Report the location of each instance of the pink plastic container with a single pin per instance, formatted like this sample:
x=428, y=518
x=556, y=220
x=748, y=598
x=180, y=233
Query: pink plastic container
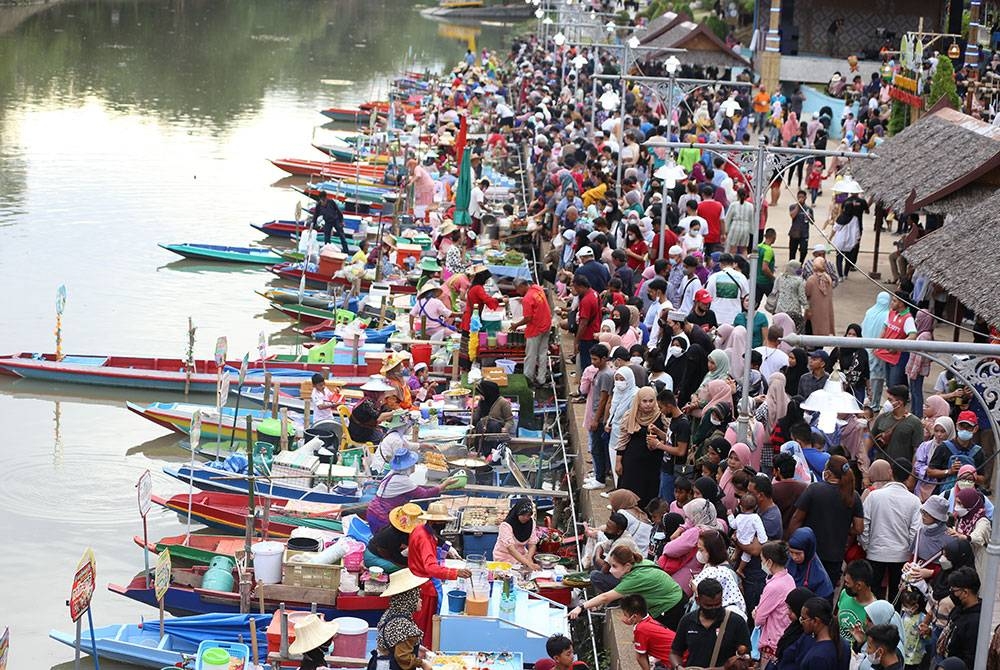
x=483, y=338
x=351, y=640
x=501, y=339
x=354, y=561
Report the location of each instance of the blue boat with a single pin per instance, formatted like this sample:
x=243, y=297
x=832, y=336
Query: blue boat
x=215, y=252
x=140, y=644
x=211, y=479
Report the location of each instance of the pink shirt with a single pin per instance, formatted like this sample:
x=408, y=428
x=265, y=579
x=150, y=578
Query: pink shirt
x=506, y=539
x=772, y=613
x=679, y=548
x=586, y=381
x=434, y=310
x=630, y=337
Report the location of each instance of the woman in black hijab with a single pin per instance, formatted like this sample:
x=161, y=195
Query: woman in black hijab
x=853, y=364
x=794, y=372
x=516, y=542
x=675, y=365
x=493, y=417
x=696, y=367
x=794, y=643
x=707, y=488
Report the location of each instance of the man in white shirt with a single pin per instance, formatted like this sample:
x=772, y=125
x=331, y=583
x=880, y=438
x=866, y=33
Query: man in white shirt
x=727, y=288
x=476, y=200
x=691, y=215
x=774, y=359
x=656, y=289
x=689, y=285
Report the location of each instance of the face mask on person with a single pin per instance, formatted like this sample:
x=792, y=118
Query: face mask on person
x=960, y=511
x=887, y=407
x=620, y=384
x=694, y=232
x=635, y=360
x=944, y=563
x=674, y=351
x=673, y=261
x=766, y=566
x=964, y=435
x=702, y=557
x=713, y=613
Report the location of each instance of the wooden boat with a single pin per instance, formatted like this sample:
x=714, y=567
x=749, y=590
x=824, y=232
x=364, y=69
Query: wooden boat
x=140, y=644
x=164, y=374
x=213, y=252
x=371, y=194
x=291, y=229
x=187, y=596
x=309, y=297
x=176, y=416
x=307, y=168
x=195, y=549
x=304, y=313
x=228, y=512
x=211, y=479
x=293, y=272
x=476, y=9
x=348, y=115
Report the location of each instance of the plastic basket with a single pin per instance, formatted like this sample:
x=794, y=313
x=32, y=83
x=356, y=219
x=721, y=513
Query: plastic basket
x=312, y=575
x=235, y=649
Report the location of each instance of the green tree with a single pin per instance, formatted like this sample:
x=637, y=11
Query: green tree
x=943, y=84
x=899, y=118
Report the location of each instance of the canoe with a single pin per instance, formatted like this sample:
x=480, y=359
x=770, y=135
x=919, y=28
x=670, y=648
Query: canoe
x=477, y=11
x=187, y=596
x=309, y=297
x=176, y=416
x=303, y=313
x=347, y=115
x=307, y=168
x=290, y=229
x=361, y=192
x=141, y=645
x=211, y=479
x=228, y=512
x=163, y=374
x=293, y=272
x=195, y=549
x=213, y=252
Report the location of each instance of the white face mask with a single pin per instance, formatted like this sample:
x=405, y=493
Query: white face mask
x=674, y=351
x=620, y=384
x=887, y=407
x=766, y=566
x=702, y=557
x=964, y=484
x=944, y=563
x=960, y=511
x=635, y=360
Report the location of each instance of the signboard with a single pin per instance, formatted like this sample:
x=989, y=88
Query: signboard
x=145, y=487
x=904, y=82
x=221, y=347
x=243, y=369
x=60, y=299
x=904, y=97
x=262, y=345
x=162, y=580
x=195, y=429
x=224, y=384
x=84, y=582
x=4, y=648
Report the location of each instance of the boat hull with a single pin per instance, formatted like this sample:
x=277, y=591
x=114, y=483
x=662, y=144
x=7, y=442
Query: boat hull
x=244, y=255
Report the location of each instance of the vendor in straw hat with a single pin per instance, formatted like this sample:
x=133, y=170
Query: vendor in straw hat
x=429, y=314
x=398, y=634
x=429, y=269
x=312, y=638
x=423, y=561
x=385, y=549
x=392, y=369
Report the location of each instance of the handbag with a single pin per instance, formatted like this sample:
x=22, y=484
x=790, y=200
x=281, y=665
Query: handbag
x=718, y=645
x=755, y=642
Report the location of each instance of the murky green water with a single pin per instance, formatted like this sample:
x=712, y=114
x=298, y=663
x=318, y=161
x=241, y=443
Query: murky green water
x=123, y=125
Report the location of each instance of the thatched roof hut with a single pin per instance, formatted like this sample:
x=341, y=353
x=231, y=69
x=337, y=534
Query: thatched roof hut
x=703, y=47
x=963, y=257
x=936, y=156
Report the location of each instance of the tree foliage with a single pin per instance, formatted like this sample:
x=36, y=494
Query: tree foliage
x=943, y=84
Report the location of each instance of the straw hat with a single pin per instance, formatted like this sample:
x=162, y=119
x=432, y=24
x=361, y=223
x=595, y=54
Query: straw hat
x=376, y=383
x=312, y=632
x=392, y=361
x=401, y=582
x=447, y=228
x=476, y=269
x=406, y=517
x=437, y=511
x=429, y=286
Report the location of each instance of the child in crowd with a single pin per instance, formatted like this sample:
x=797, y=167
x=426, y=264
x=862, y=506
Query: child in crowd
x=613, y=296
x=912, y=604
x=560, y=655
x=683, y=494
x=651, y=639
x=814, y=181
x=747, y=525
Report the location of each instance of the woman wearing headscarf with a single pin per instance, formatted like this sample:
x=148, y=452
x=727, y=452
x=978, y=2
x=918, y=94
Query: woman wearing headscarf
x=398, y=488
x=679, y=558
x=917, y=366
x=717, y=370
x=739, y=458
x=935, y=406
x=771, y=613
x=516, y=539
x=933, y=535
x=714, y=557
x=773, y=405
x=633, y=334
x=878, y=613
x=972, y=524
x=879, y=474
x=640, y=529
x=637, y=465
x=794, y=643
x=621, y=402
x=716, y=414
x=942, y=430
x=804, y=565
x=736, y=348
x=874, y=322
x=708, y=488
x=790, y=129
x=675, y=365
x=695, y=368
x=787, y=325
x=790, y=294
x=397, y=634
x=819, y=291
x=798, y=365
x=853, y=363
x=493, y=415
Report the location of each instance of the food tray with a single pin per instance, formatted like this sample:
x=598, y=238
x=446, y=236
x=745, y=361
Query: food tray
x=482, y=519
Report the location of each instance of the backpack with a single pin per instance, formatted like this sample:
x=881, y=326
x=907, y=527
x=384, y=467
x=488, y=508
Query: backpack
x=959, y=456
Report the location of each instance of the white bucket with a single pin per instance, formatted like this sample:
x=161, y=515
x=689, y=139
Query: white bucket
x=267, y=561
x=377, y=292
x=516, y=309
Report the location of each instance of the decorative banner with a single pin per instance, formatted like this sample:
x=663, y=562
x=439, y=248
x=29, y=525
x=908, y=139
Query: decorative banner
x=243, y=369
x=223, y=396
x=221, y=347
x=145, y=487
x=60, y=299
x=162, y=580
x=905, y=83
x=4, y=648
x=907, y=98
x=195, y=430
x=84, y=582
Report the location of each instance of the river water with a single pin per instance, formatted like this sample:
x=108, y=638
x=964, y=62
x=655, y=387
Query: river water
x=124, y=125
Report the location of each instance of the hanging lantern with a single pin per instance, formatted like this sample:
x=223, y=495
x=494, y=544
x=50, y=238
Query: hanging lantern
x=954, y=51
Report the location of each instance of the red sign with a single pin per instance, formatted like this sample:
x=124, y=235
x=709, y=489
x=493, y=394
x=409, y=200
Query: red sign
x=905, y=97
x=84, y=582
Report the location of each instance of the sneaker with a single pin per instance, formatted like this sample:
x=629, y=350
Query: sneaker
x=593, y=485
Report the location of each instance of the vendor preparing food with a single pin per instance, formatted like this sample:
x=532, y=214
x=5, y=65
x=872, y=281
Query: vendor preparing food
x=516, y=538
x=398, y=488
x=423, y=561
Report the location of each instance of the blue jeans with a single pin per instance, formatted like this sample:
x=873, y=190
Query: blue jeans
x=599, y=453
x=897, y=372
x=666, y=486
x=917, y=396
x=583, y=358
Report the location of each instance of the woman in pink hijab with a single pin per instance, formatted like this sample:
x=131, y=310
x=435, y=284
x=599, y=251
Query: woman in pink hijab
x=787, y=327
x=934, y=407
x=736, y=348
x=739, y=458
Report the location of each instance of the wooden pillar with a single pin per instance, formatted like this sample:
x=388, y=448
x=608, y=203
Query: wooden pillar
x=770, y=57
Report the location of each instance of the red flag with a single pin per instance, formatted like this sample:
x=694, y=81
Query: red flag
x=463, y=131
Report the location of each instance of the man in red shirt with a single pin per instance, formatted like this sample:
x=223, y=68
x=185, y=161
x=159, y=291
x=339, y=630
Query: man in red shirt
x=670, y=239
x=711, y=210
x=537, y=323
x=652, y=640
x=588, y=319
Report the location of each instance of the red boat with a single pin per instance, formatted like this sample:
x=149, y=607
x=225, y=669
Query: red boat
x=308, y=168
x=228, y=511
x=293, y=271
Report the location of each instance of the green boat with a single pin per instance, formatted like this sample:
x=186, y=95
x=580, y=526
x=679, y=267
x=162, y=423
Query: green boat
x=307, y=314
x=213, y=252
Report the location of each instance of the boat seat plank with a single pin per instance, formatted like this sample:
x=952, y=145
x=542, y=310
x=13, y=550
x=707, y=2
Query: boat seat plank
x=95, y=361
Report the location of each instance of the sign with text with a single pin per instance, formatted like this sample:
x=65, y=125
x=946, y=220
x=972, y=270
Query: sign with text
x=223, y=396
x=161, y=582
x=84, y=582
x=221, y=347
x=145, y=488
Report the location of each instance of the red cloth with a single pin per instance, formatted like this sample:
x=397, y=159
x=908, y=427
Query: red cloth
x=711, y=211
x=422, y=562
x=536, y=310
x=670, y=239
x=589, y=310
x=895, y=329
x=639, y=248
x=653, y=638
x=476, y=298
